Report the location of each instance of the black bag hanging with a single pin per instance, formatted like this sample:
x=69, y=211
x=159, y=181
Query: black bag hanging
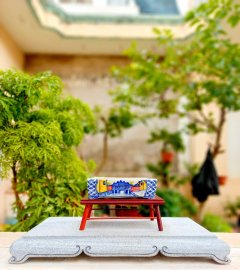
x=205, y=183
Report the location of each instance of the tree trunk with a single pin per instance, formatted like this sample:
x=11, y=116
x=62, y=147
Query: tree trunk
x=19, y=202
x=217, y=145
x=199, y=215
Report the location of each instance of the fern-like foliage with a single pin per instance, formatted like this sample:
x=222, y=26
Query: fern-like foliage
x=38, y=132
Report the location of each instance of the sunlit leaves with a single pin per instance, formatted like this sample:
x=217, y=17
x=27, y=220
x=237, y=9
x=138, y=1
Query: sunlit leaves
x=38, y=130
x=115, y=120
x=172, y=140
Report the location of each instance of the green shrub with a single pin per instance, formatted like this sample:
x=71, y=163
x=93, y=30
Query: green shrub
x=176, y=205
x=215, y=223
x=39, y=129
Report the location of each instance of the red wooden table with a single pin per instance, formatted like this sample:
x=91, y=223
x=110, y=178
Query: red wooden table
x=152, y=203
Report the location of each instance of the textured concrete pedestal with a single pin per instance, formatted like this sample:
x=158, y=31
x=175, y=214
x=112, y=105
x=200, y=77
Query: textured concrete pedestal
x=60, y=237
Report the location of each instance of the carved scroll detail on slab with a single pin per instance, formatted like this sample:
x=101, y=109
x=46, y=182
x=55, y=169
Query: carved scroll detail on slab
x=150, y=252
x=222, y=259
x=21, y=259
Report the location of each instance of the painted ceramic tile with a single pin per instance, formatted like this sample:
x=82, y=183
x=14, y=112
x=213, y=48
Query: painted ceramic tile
x=109, y=187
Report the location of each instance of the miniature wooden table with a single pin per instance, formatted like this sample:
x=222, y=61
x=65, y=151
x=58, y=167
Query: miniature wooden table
x=152, y=203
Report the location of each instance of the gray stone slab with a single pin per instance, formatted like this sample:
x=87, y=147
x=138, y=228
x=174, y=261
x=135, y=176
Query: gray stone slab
x=61, y=237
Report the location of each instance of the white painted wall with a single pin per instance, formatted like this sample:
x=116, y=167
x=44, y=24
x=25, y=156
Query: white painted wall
x=100, y=7
x=233, y=144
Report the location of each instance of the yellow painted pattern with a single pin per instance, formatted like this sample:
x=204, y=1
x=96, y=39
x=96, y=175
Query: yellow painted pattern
x=102, y=186
x=143, y=185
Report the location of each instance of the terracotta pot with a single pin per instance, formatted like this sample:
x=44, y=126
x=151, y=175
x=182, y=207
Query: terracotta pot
x=222, y=179
x=167, y=157
x=127, y=212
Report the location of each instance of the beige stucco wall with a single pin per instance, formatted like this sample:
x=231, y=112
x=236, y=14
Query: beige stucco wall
x=87, y=78
x=11, y=56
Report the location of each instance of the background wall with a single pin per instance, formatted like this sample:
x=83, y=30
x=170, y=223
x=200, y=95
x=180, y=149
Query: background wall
x=87, y=77
x=233, y=147
x=10, y=54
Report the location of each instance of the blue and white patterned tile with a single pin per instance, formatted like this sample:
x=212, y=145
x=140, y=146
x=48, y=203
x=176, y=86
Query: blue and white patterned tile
x=109, y=187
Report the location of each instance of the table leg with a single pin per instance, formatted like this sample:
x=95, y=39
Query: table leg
x=86, y=213
x=90, y=210
x=151, y=212
x=159, y=220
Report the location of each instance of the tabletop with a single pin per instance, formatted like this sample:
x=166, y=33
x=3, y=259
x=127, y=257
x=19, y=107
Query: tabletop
x=126, y=201
x=85, y=262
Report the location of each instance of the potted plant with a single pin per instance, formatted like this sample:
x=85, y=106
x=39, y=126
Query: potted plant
x=127, y=211
x=222, y=179
x=172, y=143
x=167, y=155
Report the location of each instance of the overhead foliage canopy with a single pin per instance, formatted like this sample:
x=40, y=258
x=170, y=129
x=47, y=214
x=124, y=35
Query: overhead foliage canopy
x=192, y=74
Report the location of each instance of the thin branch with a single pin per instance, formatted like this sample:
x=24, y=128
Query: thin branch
x=196, y=119
x=204, y=121
x=217, y=145
x=105, y=148
x=207, y=121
